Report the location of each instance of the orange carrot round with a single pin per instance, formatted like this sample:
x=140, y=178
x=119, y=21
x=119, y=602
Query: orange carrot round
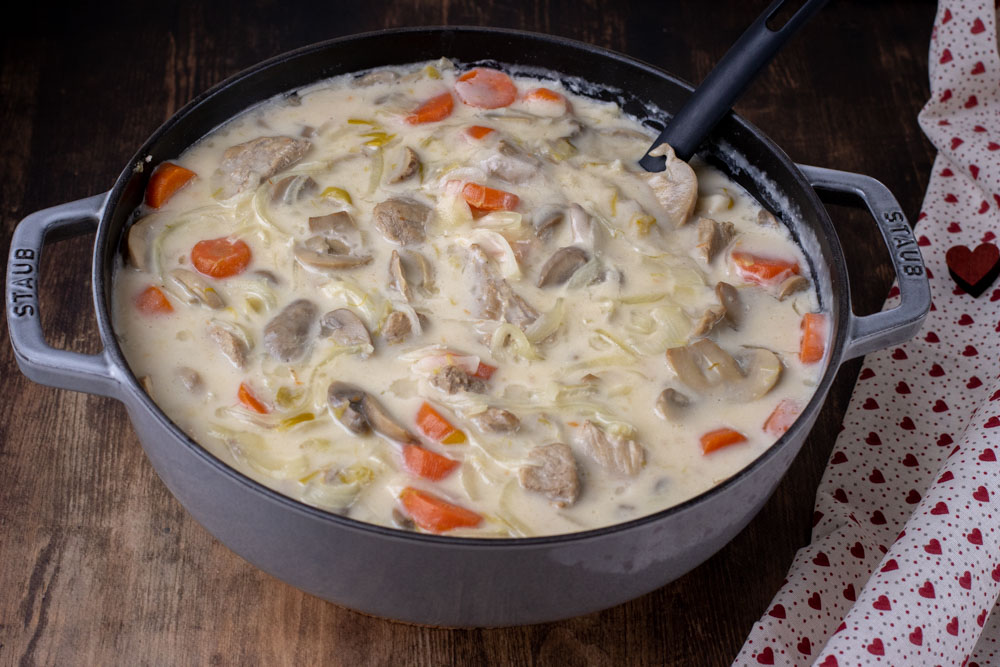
x=436, y=427
x=720, y=438
x=813, y=338
x=544, y=94
x=764, y=271
x=152, y=301
x=486, y=88
x=435, y=514
x=167, y=179
x=489, y=199
x=249, y=401
x=478, y=131
x=484, y=371
x=427, y=464
x=435, y=109
x=782, y=418
x=220, y=258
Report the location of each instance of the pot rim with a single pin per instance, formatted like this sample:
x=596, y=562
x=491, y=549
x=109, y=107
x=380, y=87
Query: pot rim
x=839, y=306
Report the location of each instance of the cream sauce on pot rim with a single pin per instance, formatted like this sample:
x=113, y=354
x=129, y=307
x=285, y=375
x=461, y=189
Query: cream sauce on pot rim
x=452, y=302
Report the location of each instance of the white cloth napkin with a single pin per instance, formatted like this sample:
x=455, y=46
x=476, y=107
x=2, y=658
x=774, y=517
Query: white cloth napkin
x=904, y=564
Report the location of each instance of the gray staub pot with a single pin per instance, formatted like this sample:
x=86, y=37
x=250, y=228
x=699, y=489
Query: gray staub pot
x=440, y=580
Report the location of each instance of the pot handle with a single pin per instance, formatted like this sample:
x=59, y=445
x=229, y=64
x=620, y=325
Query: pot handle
x=89, y=373
x=896, y=325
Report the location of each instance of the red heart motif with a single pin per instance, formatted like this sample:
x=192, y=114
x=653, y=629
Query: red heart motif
x=973, y=382
x=840, y=496
x=951, y=198
x=943, y=441
x=816, y=517
x=974, y=170
x=821, y=560
x=988, y=455
x=869, y=373
x=936, y=371
x=932, y=337
x=872, y=439
x=981, y=494
x=849, y=593
x=838, y=458
x=954, y=451
x=946, y=16
x=840, y=628
x=922, y=241
x=946, y=172
x=975, y=537
x=981, y=619
x=815, y=601
x=993, y=146
x=894, y=290
x=985, y=206
x=996, y=573
x=900, y=536
x=974, y=270
x=878, y=518
x=954, y=227
x=927, y=590
x=965, y=581
x=876, y=477
x=917, y=636
x=899, y=354
x=913, y=497
x=902, y=388
x=857, y=550
x=804, y=647
x=910, y=461
x=989, y=236
x=891, y=565
x=876, y=648
x=993, y=421
x=829, y=662
x=933, y=547
x=907, y=424
x=945, y=57
x=969, y=351
x=940, y=406
x=978, y=68
x=870, y=404
x=778, y=611
x=947, y=476
x=965, y=320
x=952, y=626
x=977, y=27
x=971, y=102
x=882, y=603
x=995, y=396
x=940, y=508
x=766, y=657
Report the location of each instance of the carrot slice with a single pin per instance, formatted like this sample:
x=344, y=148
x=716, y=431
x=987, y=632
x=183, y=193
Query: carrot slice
x=486, y=88
x=763, y=271
x=484, y=371
x=427, y=464
x=220, y=258
x=782, y=418
x=478, y=131
x=436, y=514
x=544, y=94
x=250, y=401
x=437, y=428
x=167, y=179
x=813, y=338
x=489, y=199
x=152, y=301
x=435, y=109
x=720, y=438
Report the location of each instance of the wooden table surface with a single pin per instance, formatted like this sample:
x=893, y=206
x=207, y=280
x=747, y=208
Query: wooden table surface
x=100, y=565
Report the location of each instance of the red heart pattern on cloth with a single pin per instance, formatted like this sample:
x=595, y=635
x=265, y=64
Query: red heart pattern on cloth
x=904, y=563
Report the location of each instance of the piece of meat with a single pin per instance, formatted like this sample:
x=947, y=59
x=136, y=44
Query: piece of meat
x=497, y=420
x=616, y=455
x=245, y=165
x=553, y=473
x=396, y=328
x=286, y=336
x=676, y=187
x=232, y=347
x=511, y=164
x=409, y=166
x=561, y=266
x=401, y=220
x=713, y=236
x=452, y=379
x=494, y=295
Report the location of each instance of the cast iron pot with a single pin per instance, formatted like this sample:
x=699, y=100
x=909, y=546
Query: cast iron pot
x=441, y=580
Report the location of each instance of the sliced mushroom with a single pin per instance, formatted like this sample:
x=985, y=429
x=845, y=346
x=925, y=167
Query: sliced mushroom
x=401, y=220
x=497, y=420
x=670, y=404
x=291, y=189
x=494, y=295
x=617, y=455
x=553, y=473
x=426, y=271
x=397, y=276
x=396, y=328
x=345, y=328
x=325, y=246
x=372, y=78
x=139, y=242
x=245, y=165
x=409, y=166
x=676, y=187
x=345, y=404
x=511, y=164
x=766, y=219
x=792, y=285
x=452, y=379
x=713, y=236
x=196, y=289
x=329, y=260
x=712, y=316
x=383, y=423
x=235, y=347
x=546, y=218
x=286, y=336
x=707, y=368
x=563, y=264
x=339, y=224
x=729, y=297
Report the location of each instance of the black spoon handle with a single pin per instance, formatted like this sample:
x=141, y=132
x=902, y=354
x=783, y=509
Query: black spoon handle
x=727, y=81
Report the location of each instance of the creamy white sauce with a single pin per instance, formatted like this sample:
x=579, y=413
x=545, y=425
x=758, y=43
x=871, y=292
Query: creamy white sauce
x=662, y=291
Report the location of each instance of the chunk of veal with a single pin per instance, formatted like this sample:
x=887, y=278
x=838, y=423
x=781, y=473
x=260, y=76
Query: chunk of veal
x=617, y=455
x=553, y=473
x=286, y=336
x=401, y=220
x=245, y=165
x=676, y=187
x=494, y=295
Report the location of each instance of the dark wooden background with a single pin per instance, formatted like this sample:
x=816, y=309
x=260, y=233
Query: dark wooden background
x=100, y=565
